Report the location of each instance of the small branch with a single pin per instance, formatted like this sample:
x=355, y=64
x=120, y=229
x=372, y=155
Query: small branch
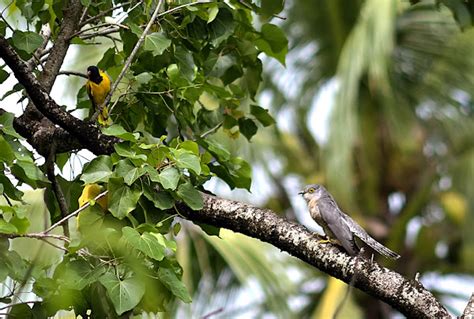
x=129, y=61
x=181, y=7
x=74, y=213
x=99, y=34
x=212, y=130
x=104, y=13
x=73, y=73
x=36, y=236
x=63, y=207
x=99, y=26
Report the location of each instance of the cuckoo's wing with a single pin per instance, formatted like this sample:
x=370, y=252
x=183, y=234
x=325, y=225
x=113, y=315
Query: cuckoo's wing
x=332, y=215
x=362, y=234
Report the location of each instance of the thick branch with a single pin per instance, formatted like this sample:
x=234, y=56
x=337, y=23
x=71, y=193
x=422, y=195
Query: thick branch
x=69, y=24
x=88, y=134
x=407, y=296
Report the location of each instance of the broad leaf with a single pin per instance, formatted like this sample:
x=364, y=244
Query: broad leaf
x=125, y=294
x=122, y=198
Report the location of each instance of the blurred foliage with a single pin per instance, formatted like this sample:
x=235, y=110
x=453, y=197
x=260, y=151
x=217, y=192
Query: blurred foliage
x=398, y=157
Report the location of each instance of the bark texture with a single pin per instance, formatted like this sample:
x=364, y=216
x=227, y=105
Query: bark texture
x=407, y=296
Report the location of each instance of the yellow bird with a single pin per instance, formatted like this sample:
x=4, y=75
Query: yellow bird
x=89, y=192
x=98, y=86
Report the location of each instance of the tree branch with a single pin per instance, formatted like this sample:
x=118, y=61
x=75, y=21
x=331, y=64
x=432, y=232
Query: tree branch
x=407, y=296
x=88, y=134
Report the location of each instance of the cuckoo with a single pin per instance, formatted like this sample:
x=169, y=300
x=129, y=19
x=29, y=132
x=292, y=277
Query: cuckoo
x=336, y=224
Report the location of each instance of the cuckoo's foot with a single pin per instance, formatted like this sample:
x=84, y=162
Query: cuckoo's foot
x=326, y=241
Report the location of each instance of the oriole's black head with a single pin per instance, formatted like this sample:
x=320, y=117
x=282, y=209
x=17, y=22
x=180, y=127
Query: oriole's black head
x=93, y=74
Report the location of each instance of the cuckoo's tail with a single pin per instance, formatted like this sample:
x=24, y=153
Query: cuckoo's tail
x=378, y=247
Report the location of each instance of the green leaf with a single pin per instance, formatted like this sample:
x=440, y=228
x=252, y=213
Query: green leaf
x=152, y=173
x=247, y=127
x=8, y=188
x=6, y=153
x=6, y=124
x=169, y=178
x=122, y=198
x=147, y=243
x=124, y=150
x=119, y=131
x=160, y=200
x=27, y=41
x=271, y=7
x=170, y=280
x=125, y=294
x=21, y=224
x=3, y=75
x=30, y=170
x=273, y=42
x=157, y=43
x=187, y=159
x=77, y=274
x=190, y=196
x=209, y=101
x=213, y=11
x=134, y=174
x=98, y=170
x=190, y=146
x=262, y=115
x=7, y=228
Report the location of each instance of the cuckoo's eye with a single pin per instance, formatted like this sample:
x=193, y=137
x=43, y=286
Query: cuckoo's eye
x=311, y=190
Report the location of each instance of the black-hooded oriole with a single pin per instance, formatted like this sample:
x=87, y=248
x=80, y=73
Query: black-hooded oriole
x=98, y=86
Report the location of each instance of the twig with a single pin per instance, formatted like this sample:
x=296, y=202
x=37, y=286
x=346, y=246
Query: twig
x=36, y=235
x=107, y=24
x=99, y=34
x=72, y=73
x=83, y=15
x=104, y=13
x=212, y=130
x=7, y=199
x=181, y=7
x=74, y=213
x=55, y=185
x=5, y=20
x=212, y=313
x=129, y=61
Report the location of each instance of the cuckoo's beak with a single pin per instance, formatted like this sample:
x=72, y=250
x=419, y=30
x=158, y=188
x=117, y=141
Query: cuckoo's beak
x=301, y=193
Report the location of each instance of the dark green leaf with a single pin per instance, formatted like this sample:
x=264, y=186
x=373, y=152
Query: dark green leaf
x=3, y=75
x=119, y=131
x=160, y=199
x=157, y=43
x=169, y=178
x=122, y=198
x=190, y=196
x=262, y=115
x=98, y=170
x=187, y=159
x=147, y=243
x=247, y=127
x=26, y=41
x=273, y=42
x=125, y=294
x=170, y=280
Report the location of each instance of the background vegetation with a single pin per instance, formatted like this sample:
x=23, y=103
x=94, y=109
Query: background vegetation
x=371, y=98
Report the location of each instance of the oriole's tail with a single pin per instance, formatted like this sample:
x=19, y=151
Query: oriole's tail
x=104, y=118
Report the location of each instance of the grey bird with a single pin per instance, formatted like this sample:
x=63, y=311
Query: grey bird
x=337, y=225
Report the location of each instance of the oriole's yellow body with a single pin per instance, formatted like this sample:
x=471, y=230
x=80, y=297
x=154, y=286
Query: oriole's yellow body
x=98, y=88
